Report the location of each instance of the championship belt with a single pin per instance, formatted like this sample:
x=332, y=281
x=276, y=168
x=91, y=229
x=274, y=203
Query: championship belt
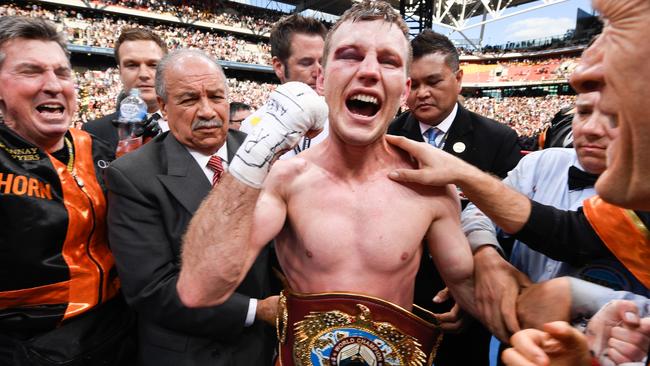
x=338, y=329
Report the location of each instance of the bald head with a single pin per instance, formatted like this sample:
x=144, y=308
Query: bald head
x=176, y=59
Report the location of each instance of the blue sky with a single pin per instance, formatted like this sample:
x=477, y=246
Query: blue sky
x=549, y=21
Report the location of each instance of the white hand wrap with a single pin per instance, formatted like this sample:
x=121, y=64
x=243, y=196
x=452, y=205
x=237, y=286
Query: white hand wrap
x=292, y=110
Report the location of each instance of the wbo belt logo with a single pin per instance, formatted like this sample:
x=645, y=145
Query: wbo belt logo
x=335, y=338
x=358, y=350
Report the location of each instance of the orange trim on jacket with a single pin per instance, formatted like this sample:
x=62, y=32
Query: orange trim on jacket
x=86, y=244
x=77, y=253
x=56, y=293
x=624, y=235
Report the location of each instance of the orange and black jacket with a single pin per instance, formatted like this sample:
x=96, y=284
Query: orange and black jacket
x=55, y=263
x=594, y=232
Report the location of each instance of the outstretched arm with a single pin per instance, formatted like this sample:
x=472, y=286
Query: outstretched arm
x=508, y=208
x=544, y=228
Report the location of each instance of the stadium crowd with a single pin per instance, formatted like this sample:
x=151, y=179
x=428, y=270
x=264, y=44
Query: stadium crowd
x=526, y=115
x=98, y=91
x=568, y=40
x=212, y=11
x=99, y=30
x=525, y=70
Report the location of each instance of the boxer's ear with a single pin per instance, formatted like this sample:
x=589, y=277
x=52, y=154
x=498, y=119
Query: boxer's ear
x=406, y=92
x=279, y=68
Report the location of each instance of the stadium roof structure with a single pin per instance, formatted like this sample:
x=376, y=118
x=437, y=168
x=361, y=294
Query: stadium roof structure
x=455, y=15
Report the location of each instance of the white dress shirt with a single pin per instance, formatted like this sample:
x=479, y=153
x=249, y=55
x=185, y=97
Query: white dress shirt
x=203, y=159
x=443, y=126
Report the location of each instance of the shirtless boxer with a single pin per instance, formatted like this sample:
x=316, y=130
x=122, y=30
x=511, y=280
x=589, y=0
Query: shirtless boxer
x=340, y=224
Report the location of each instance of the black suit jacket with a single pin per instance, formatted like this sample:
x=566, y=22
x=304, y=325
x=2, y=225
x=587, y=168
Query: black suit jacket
x=489, y=145
x=153, y=194
x=104, y=129
x=492, y=147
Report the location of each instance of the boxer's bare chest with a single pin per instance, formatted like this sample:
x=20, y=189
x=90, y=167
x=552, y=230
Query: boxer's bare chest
x=377, y=224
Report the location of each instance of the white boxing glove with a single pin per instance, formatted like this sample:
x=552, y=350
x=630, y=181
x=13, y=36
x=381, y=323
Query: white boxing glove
x=291, y=110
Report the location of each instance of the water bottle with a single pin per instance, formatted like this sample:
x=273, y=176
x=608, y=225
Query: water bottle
x=133, y=111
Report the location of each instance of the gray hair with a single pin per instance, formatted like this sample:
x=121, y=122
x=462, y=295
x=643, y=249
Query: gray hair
x=174, y=56
x=12, y=27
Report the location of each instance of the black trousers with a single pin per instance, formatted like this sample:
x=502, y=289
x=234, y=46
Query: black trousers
x=104, y=336
x=468, y=348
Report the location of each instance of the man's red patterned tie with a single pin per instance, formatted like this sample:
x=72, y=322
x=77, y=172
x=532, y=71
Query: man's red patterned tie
x=215, y=165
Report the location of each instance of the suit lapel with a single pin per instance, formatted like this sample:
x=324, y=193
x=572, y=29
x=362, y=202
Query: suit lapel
x=458, y=141
x=232, y=144
x=184, y=178
x=412, y=128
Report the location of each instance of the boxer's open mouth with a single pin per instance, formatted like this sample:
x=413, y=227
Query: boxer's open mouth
x=363, y=104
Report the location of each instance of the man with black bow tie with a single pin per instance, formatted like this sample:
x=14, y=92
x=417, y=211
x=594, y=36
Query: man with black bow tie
x=562, y=178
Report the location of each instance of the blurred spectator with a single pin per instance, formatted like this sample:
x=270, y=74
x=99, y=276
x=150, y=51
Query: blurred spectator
x=213, y=11
x=519, y=70
x=249, y=91
x=99, y=29
x=297, y=49
x=137, y=53
x=238, y=113
x=526, y=115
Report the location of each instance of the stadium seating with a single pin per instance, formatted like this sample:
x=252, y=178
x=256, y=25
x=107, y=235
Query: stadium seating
x=97, y=28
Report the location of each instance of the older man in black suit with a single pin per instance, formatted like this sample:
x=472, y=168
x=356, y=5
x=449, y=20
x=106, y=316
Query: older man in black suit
x=436, y=117
x=154, y=193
